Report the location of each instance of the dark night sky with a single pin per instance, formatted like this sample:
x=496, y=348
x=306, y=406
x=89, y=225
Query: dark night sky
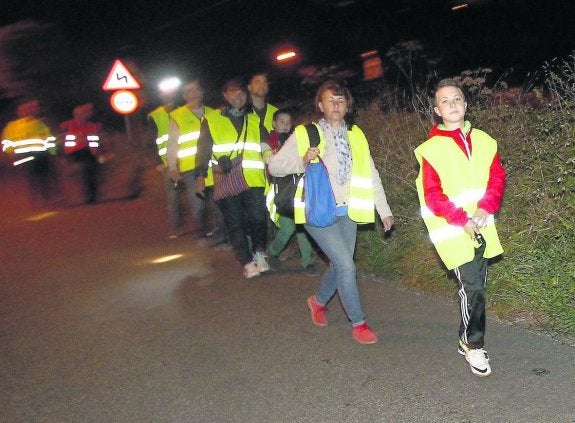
x=228, y=37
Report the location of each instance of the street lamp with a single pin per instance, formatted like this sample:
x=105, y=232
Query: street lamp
x=286, y=55
x=170, y=84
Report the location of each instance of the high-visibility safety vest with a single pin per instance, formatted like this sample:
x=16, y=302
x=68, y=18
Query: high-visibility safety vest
x=162, y=120
x=189, y=125
x=464, y=181
x=269, y=117
x=227, y=142
x=80, y=135
x=361, y=206
x=27, y=137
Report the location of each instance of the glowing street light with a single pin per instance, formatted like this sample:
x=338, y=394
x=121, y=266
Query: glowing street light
x=286, y=55
x=460, y=6
x=170, y=84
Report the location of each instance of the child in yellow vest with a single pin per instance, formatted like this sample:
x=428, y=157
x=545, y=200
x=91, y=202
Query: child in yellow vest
x=460, y=187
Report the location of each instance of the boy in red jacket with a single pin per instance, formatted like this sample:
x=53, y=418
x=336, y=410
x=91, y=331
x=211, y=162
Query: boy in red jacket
x=460, y=187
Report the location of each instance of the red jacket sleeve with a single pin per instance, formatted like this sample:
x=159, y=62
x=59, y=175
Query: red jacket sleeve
x=495, y=187
x=437, y=201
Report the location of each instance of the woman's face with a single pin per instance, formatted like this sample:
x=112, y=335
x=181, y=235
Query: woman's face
x=236, y=97
x=333, y=106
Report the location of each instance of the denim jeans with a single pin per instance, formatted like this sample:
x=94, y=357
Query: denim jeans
x=245, y=215
x=196, y=204
x=338, y=243
x=286, y=229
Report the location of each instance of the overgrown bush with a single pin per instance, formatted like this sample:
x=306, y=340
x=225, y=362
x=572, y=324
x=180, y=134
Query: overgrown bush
x=535, y=279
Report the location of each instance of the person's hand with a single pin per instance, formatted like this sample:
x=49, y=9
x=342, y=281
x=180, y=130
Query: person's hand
x=388, y=223
x=480, y=218
x=200, y=185
x=311, y=154
x=471, y=228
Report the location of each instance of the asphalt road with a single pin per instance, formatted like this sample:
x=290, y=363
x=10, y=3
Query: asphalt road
x=91, y=330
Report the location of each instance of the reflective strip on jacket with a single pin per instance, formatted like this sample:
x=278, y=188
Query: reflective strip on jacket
x=162, y=120
x=361, y=206
x=227, y=141
x=26, y=137
x=464, y=182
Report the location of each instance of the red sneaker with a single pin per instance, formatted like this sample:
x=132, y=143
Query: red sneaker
x=317, y=311
x=363, y=334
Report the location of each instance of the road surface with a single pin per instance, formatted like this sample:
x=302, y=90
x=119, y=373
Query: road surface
x=92, y=330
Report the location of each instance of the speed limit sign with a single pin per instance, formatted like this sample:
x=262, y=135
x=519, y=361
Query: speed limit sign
x=124, y=102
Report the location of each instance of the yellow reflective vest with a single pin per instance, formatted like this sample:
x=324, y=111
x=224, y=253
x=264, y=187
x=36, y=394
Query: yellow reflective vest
x=227, y=142
x=26, y=137
x=189, y=125
x=361, y=206
x=269, y=117
x=162, y=120
x=464, y=181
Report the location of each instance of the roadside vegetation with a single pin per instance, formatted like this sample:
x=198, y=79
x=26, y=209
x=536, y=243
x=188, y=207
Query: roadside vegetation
x=533, y=283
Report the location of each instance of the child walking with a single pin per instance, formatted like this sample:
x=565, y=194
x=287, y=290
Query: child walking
x=460, y=187
x=283, y=127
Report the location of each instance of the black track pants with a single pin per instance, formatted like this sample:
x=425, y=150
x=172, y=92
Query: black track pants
x=472, y=279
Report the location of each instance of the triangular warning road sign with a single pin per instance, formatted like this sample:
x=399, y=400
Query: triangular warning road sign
x=120, y=78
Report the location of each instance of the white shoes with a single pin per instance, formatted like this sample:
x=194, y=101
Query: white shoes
x=477, y=358
x=251, y=270
x=261, y=263
x=257, y=266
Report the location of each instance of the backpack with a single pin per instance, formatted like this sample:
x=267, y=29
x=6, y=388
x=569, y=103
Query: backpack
x=286, y=186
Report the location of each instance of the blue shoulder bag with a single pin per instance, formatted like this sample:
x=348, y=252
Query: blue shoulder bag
x=317, y=192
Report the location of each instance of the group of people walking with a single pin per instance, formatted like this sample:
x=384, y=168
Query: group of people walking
x=229, y=161
x=33, y=146
x=237, y=152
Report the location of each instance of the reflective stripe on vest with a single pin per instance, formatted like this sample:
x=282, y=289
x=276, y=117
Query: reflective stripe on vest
x=71, y=142
x=361, y=206
x=31, y=145
x=162, y=120
x=226, y=138
x=464, y=182
x=25, y=149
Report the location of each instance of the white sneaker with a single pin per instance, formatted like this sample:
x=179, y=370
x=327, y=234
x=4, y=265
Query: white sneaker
x=251, y=270
x=260, y=261
x=477, y=358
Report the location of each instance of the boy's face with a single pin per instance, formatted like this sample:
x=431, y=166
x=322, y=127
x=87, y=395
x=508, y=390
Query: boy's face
x=450, y=106
x=282, y=123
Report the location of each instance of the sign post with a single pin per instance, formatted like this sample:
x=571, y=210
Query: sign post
x=120, y=80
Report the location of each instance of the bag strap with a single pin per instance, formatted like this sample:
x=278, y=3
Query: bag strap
x=312, y=134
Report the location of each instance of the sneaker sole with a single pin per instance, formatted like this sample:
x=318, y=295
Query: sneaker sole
x=365, y=342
